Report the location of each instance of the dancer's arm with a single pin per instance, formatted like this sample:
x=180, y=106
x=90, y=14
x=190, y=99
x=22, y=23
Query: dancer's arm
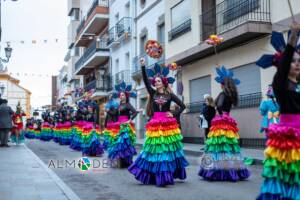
x=133, y=112
x=145, y=79
x=179, y=103
x=219, y=103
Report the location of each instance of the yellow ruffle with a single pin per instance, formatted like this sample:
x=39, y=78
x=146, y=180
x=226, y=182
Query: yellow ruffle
x=162, y=133
x=289, y=156
x=219, y=133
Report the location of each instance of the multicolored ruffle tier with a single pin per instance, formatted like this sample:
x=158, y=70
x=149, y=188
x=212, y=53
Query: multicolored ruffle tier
x=37, y=134
x=282, y=164
x=29, y=133
x=109, y=134
x=46, y=132
x=65, y=133
x=162, y=159
x=57, y=132
x=77, y=135
x=90, y=140
x=122, y=146
x=222, y=160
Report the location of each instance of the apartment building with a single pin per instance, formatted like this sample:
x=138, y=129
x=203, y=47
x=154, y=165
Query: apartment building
x=246, y=27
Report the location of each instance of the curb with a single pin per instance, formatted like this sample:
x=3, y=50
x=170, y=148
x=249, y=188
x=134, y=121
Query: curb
x=199, y=153
x=64, y=188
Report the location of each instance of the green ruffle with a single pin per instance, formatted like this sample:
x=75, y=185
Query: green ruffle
x=160, y=148
x=218, y=148
x=282, y=175
x=289, y=168
x=163, y=140
x=221, y=140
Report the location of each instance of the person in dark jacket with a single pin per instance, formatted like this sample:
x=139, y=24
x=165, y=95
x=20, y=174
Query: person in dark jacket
x=208, y=112
x=5, y=122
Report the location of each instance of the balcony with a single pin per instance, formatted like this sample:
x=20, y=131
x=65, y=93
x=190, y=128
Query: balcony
x=180, y=30
x=93, y=23
x=96, y=54
x=90, y=86
x=103, y=86
x=122, y=76
x=121, y=31
x=237, y=23
x=136, y=72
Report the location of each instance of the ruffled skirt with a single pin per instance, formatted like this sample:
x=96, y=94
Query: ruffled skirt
x=222, y=160
x=18, y=139
x=77, y=130
x=282, y=163
x=162, y=158
x=109, y=134
x=46, y=132
x=122, y=145
x=90, y=140
x=29, y=133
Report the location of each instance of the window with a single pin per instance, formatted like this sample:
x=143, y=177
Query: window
x=161, y=33
x=75, y=51
x=180, y=13
x=127, y=60
x=117, y=66
x=238, y=8
x=75, y=14
x=249, y=76
x=199, y=87
x=143, y=41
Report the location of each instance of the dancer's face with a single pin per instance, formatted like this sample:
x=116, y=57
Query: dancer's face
x=158, y=83
x=122, y=97
x=295, y=66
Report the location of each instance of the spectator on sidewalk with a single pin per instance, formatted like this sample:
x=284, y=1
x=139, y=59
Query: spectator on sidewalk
x=208, y=113
x=5, y=122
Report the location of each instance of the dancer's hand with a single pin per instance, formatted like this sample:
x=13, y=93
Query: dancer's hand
x=169, y=114
x=142, y=61
x=295, y=27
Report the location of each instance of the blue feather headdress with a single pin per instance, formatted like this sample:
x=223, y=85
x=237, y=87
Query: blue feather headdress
x=111, y=104
x=162, y=72
x=223, y=73
x=279, y=44
x=123, y=88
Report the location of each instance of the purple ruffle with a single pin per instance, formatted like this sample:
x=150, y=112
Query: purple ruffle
x=271, y=197
x=159, y=179
x=224, y=175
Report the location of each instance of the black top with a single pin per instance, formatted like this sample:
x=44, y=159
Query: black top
x=224, y=103
x=286, y=93
x=111, y=115
x=126, y=109
x=208, y=112
x=162, y=102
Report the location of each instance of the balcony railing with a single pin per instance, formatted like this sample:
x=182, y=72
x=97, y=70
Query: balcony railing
x=245, y=101
x=95, y=46
x=180, y=30
x=111, y=35
x=104, y=84
x=123, y=26
x=149, y=62
x=122, y=76
x=226, y=16
x=91, y=85
x=103, y=3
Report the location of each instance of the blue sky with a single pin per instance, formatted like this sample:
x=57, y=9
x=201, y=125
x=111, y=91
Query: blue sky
x=38, y=20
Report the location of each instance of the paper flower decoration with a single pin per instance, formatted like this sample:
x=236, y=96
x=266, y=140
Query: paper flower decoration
x=172, y=66
x=214, y=40
x=153, y=49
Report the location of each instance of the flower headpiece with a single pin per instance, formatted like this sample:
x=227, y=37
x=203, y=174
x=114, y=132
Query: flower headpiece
x=162, y=72
x=223, y=73
x=154, y=49
x=279, y=44
x=123, y=88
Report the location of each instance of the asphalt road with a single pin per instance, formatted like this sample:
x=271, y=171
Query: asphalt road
x=106, y=183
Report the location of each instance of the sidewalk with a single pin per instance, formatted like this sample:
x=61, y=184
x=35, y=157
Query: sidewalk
x=24, y=176
x=194, y=150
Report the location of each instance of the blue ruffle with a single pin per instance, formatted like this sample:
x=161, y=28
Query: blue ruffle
x=75, y=143
x=46, y=135
x=164, y=166
x=29, y=135
x=18, y=140
x=166, y=156
x=93, y=147
x=279, y=190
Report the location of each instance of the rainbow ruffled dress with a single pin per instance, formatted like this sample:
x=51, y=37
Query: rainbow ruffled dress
x=66, y=133
x=46, y=132
x=162, y=158
x=222, y=160
x=77, y=135
x=109, y=134
x=90, y=140
x=282, y=164
x=122, y=145
x=29, y=132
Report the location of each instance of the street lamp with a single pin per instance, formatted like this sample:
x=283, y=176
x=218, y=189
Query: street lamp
x=8, y=51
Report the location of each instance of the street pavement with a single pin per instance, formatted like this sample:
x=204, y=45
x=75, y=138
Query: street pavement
x=108, y=183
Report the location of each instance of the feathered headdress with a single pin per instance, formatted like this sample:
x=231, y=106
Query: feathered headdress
x=279, y=44
x=123, y=88
x=162, y=72
x=111, y=104
x=223, y=73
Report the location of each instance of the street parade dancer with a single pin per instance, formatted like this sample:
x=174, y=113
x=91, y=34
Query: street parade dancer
x=29, y=131
x=59, y=120
x=46, y=131
x=122, y=147
x=37, y=125
x=269, y=109
x=222, y=160
x=65, y=128
x=78, y=126
x=17, y=133
x=109, y=133
x=282, y=156
x=162, y=158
